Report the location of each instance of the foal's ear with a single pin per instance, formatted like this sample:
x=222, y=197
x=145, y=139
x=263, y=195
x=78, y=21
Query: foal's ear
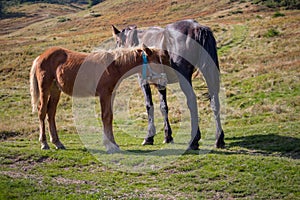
x=115, y=31
x=147, y=50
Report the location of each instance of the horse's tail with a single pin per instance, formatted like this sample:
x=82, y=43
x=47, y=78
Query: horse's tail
x=54, y=57
x=208, y=60
x=207, y=40
x=34, y=88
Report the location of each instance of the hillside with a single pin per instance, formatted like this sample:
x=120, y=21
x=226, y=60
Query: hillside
x=259, y=54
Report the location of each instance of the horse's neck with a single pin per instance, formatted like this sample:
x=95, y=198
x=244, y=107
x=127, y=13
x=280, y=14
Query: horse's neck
x=152, y=37
x=130, y=67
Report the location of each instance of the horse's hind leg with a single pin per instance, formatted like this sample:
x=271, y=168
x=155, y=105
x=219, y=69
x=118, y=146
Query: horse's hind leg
x=213, y=82
x=192, y=105
x=215, y=105
x=185, y=81
x=51, y=111
x=150, y=111
x=42, y=110
x=164, y=110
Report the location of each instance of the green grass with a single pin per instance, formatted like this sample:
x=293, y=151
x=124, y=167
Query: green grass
x=260, y=111
x=235, y=37
x=288, y=4
x=253, y=166
x=272, y=33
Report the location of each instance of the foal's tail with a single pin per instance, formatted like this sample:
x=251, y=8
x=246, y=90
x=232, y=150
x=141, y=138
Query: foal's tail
x=34, y=88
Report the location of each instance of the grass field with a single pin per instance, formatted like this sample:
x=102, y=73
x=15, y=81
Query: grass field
x=259, y=57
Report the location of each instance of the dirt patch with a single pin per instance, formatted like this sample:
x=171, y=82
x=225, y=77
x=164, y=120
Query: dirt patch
x=25, y=15
x=67, y=181
x=17, y=175
x=4, y=135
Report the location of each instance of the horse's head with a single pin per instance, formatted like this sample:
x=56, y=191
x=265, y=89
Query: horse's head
x=127, y=37
x=154, y=55
x=154, y=62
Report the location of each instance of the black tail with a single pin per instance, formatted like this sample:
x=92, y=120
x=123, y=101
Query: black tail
x=208, y=60
x=207, y=40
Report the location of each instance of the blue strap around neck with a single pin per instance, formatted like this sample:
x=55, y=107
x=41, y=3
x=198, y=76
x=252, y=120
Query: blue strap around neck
x=145, y=65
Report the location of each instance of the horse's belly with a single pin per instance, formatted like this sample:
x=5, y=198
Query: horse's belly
x=65, y=81
x=78, y=83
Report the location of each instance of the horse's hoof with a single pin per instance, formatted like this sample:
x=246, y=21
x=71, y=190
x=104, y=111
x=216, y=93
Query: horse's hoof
x=169, y=141
x=45, y=146
x=148, y=141
x=113, y=149
x=193, y=147
x=59, y=145
x=220, y=145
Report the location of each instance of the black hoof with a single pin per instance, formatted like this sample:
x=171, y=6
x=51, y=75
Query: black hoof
x=148, y=141
x=169, y=140
x=59, y=145
x=220, y=144
x=45, y=146
x=193, y=147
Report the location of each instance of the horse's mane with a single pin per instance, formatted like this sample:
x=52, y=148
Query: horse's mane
x=119, y=56
x=123, y=56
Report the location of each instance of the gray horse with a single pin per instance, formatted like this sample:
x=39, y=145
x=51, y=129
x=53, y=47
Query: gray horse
x=190, y=46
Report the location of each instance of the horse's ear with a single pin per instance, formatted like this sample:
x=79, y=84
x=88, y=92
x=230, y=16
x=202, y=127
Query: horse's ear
x=147, y=50
x=115, y=31
x=131, y=27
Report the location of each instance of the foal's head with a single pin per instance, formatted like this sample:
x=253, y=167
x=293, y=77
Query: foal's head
x=154, y=55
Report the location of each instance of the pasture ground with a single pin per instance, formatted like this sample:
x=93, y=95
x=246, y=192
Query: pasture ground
x=260, y=65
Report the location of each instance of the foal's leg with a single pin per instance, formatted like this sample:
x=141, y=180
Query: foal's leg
x=107, y=118
x=42, y=110
x=165, y=110
x=52, y=105
x=150, y=111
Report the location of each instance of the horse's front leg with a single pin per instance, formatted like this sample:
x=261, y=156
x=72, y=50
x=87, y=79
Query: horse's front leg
x=149, y=139
x=165, y=111
x=107, y=118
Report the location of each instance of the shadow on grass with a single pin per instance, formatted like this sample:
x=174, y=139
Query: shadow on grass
x=166, y=152
x=161, y=152
x=268, y=144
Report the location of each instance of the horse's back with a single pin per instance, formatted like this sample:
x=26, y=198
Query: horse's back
x=58, y=52
x=153, y=37
x=187, y=39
